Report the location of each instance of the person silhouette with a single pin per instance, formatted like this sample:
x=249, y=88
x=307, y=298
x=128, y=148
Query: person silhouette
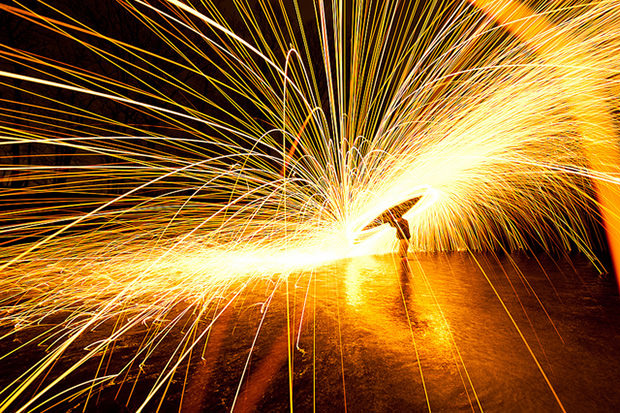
x=402, y=234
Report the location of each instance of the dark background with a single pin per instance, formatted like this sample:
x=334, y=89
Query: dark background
x=30, y=110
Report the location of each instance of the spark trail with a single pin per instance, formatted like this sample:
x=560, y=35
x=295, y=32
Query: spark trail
x=224, y=146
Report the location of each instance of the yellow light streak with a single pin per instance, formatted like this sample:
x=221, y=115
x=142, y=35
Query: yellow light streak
x=261, y=153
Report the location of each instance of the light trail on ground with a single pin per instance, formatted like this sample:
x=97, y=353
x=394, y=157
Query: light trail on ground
x=260, y=141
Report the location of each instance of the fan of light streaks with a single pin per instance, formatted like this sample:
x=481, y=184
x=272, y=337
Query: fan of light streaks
x=225, y=145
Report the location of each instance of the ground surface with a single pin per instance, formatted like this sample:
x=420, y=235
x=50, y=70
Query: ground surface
x=449, y=331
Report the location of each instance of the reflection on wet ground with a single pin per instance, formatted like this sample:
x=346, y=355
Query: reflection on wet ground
x=440, y=332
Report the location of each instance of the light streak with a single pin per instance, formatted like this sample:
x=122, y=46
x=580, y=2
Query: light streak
x=241, y=165
x=590, y=107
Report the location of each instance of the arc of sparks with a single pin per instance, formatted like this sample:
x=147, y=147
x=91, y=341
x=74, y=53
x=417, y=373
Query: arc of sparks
x=595, y=121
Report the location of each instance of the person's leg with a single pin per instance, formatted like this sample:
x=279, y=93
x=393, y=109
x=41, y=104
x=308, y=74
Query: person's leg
x=403, y=247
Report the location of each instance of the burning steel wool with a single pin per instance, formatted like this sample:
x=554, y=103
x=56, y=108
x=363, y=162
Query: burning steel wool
x=178, y=158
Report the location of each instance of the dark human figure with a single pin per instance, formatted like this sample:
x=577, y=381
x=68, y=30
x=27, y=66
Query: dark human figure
x=403, y=235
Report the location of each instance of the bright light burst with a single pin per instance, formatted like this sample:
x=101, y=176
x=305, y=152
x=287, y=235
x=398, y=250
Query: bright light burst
x=225, y=145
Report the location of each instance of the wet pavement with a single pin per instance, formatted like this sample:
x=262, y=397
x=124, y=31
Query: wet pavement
x=440, y=332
